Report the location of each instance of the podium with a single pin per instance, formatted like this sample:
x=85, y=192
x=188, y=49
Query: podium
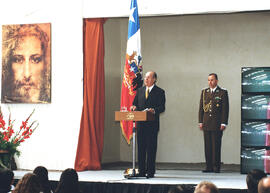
x=133, y=116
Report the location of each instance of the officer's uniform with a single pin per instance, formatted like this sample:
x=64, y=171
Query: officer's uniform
x=213, y=111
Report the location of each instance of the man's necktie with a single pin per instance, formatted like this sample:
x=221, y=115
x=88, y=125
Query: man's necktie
x=146, y=93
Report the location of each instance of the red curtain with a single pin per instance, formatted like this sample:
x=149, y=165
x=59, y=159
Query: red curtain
x=90, y=143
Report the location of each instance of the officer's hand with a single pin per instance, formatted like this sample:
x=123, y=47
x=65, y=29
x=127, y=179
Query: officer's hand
x=133, y=108
x=201, y=126
x=222, y=127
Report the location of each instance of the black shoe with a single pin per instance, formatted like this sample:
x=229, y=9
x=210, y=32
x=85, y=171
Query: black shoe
x=207, y=171
x=217, y=171
x=150, y=176
x=140, y=175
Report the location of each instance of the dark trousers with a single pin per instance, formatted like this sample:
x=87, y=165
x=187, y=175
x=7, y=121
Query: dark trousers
x=147, y=149
x=212, y=148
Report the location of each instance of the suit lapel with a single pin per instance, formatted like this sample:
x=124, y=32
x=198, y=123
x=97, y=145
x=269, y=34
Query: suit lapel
x=208, y=94
x=212, y=95
x=143, y=93
x=216, y=91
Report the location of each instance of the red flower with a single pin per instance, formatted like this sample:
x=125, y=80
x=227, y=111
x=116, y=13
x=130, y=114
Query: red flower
x=6, y=138
x=24, y=133
x=24, y=123
x=12, y=138
x=2, y=123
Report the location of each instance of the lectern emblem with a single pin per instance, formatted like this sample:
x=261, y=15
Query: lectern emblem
x=130, y=116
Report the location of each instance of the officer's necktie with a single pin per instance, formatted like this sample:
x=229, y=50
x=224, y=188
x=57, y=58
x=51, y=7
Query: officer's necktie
x=146, y=93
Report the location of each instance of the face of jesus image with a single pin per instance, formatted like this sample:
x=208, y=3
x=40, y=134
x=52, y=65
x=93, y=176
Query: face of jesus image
x=27, y=66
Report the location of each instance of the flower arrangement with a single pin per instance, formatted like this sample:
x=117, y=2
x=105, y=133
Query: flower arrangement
x=11, y=139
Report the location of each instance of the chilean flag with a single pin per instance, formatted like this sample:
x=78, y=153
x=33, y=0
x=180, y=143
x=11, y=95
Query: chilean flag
x=132, y=78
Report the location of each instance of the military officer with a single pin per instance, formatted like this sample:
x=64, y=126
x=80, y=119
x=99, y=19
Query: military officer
x=213, y=119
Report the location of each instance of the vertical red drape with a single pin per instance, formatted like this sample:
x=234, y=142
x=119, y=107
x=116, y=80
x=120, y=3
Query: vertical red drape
x=90, y=143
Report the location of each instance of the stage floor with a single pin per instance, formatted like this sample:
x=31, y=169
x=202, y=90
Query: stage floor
x=223, y=180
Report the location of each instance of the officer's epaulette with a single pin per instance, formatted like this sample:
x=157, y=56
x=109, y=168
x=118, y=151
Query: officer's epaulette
x=205, y=88
x=223, y=88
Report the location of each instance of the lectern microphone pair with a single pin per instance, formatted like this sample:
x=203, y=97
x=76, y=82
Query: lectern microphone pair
x=133, y=116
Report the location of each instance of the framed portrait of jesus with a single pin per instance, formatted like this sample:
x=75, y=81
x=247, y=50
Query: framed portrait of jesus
x=26, y=63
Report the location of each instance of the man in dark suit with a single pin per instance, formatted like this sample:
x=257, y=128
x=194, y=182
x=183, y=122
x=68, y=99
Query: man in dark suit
x=213, y=119
x=150, y=98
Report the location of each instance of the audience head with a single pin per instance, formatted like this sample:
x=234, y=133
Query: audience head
x=28, y=184
x=6, y=179
x=264, y=185
x=253, y=178
x=42, y=174
x=206, y=187
x=176, y=189
x=69, y=182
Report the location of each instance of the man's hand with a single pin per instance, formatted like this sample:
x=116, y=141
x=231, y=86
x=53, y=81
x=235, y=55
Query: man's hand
x=152, y=110
x=222, y=127
x=201, y=126
x=133, y=108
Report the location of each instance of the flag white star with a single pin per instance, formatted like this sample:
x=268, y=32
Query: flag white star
x=132, y=69
x=131, y=18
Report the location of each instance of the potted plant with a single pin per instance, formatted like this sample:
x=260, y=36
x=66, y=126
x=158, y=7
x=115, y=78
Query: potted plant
x=10, y=139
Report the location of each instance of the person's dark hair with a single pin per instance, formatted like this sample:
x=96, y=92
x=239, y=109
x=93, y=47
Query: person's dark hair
x=69, y=182
x=155, y=75
x=214, y=74
x=253, y=178
x=28, y=184
x=6, y=178
x=42, y=174
x=176, y=189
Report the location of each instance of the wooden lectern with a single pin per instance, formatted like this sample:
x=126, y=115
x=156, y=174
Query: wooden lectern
x=133, y=116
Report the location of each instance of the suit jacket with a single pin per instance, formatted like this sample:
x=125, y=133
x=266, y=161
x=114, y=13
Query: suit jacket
x=214, y=108
x=155, y=100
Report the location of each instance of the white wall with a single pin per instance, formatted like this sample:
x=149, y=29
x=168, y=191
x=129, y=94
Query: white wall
x=183, y=50
x=120, y=8
x=112, y=61
x=54, y=143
